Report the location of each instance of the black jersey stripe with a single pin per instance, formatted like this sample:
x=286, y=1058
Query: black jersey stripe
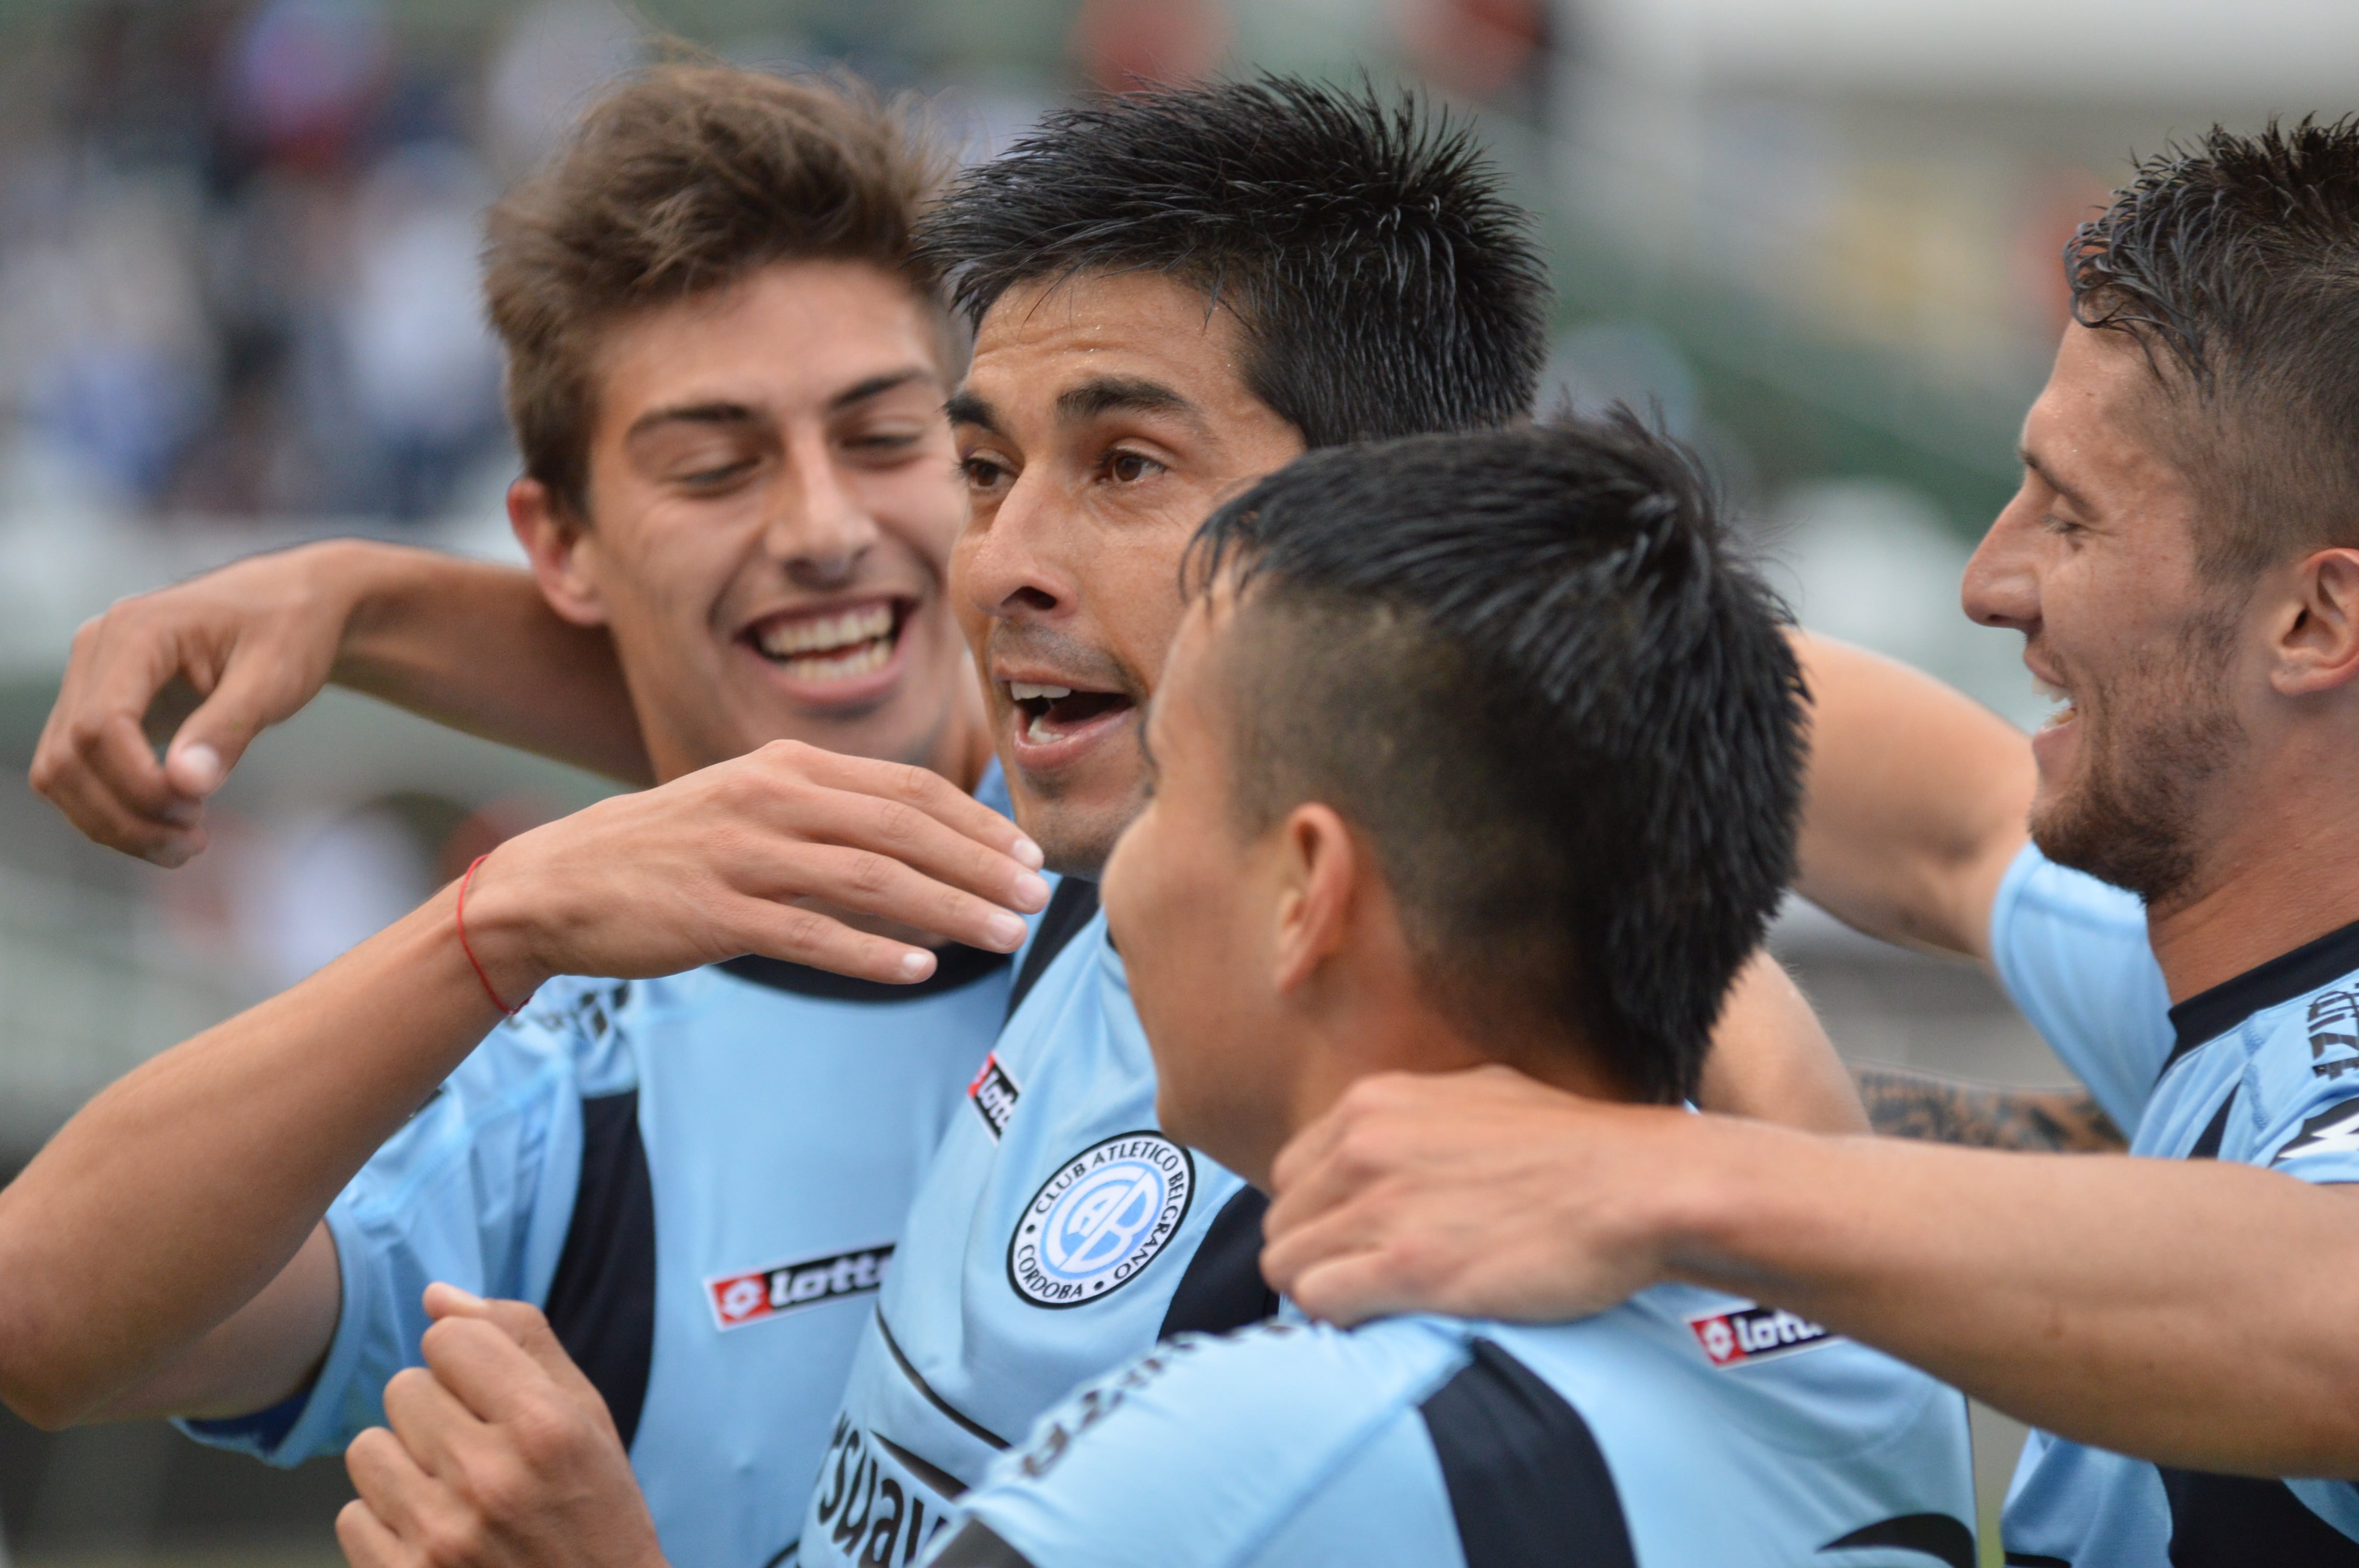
x=1528, y=1486
x=2034, y=1560
x=1223, y=1289
x=2207, y=1146
x=956, y=966
x=964, y=1423
x=978, y=1546
x=2209, y=1014
x=1073, y=905
x=1938, y=1535
x=2231, y=1521
x=602, y=1301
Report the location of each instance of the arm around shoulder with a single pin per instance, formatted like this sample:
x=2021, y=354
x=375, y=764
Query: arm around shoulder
x=1916, y=800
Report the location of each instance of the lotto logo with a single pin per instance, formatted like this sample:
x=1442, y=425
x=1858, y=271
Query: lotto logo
x=740, y=1299
x=1755, y=1333
x=994, y=1094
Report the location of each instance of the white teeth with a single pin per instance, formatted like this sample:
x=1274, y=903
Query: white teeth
x=866, y=659
x=820, y=634
x=1025, y=691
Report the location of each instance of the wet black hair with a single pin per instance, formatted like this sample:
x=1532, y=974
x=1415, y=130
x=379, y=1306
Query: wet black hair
x=1529, y=668
x=2234, y=261
x=1384, y=284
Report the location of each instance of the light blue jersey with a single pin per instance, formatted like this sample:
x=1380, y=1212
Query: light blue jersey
x=1057, y=1236
x=1682, y=1429
x=2263, y=1069
x=702, y=1180
x=2072, y=953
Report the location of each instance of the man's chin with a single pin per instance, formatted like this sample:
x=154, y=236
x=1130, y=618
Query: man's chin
x=1076, y=830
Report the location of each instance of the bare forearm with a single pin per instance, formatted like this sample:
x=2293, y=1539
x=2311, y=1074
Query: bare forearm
x=1933, y=1108
x=2191, y=1313
x=208, y=1166
x=474, y=646
x=1772, y=1060
x=1915, y=802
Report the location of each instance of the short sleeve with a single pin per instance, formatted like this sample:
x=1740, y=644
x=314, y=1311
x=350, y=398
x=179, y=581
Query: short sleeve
x=1209, y=1453
x=2072, y=953
x=476, y=1190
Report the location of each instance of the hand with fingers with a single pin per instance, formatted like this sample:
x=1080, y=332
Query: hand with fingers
x=254, y=641
x=497, y=1453
x=733, y=858
x=1480, y=1193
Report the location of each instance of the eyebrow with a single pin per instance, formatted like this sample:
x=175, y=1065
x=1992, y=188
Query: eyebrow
x=966, y=408
x=722, y=412
x=691, y=414
x=876, y=387
x=2072, y=498
x=1101, y=396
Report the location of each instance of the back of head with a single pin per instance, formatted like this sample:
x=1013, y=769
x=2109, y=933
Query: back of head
x=1525, y=665
x=2235, y=263
x=683, y=179
x=1384, y=286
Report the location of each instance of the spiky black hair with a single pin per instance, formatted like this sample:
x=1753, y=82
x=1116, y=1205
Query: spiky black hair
x=2236, y=262
x=1385, y=285
x=1528, y=665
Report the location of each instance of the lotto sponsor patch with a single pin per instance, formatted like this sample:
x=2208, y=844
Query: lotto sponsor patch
x=994, y=1095
x=740, y=1299
x=1755, y=1333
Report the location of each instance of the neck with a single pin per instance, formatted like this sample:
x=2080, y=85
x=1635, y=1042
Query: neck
x=2271, y=881
x=1416, y=1039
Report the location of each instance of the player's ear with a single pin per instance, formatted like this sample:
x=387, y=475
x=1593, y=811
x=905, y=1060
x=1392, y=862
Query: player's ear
x=561, y=549
x=2318, y=629
x=1319, y=871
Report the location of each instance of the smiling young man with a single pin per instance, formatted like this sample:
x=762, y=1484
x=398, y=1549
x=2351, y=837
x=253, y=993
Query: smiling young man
x=1154, y=282
x=1470, y=750
x=726, y=372
x=2183, y=564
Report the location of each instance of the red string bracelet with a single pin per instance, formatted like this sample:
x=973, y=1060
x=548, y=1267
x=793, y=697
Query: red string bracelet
x=463, y=947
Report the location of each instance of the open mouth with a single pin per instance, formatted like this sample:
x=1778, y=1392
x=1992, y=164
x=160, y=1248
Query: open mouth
x=835, y=644
x=1052, y=713
x=2064, y=712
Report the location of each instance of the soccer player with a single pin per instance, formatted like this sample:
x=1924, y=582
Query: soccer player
x=726, y=375
x=2182, y=562
x=1154, y=282
x=1470, y=750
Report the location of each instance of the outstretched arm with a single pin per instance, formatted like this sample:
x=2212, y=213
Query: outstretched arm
x=1915, y=803
x=2193, y=1312
x=465, y=643
x=210, y=1166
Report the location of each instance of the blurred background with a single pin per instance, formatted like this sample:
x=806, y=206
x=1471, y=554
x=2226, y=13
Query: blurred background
x=237, y=310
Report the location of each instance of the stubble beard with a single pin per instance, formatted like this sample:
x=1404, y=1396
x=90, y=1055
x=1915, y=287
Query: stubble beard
x=2151, y=758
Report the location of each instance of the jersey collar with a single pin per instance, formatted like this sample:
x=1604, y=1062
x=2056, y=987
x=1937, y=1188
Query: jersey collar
x=955, y=966
x=2209, y=1014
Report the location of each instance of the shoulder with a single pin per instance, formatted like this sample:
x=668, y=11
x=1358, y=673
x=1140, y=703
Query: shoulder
x=2301, y=1080
x=2072, y=953
x=1261, y=1419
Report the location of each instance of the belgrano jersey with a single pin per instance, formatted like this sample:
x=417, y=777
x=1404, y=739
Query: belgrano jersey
x=1057, y=1235
x=2263, y=1069
x=703, y=1180
x=1682, y=1428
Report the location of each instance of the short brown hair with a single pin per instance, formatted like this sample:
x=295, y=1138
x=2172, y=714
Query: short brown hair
x=683, y=179
x=2233, y=262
